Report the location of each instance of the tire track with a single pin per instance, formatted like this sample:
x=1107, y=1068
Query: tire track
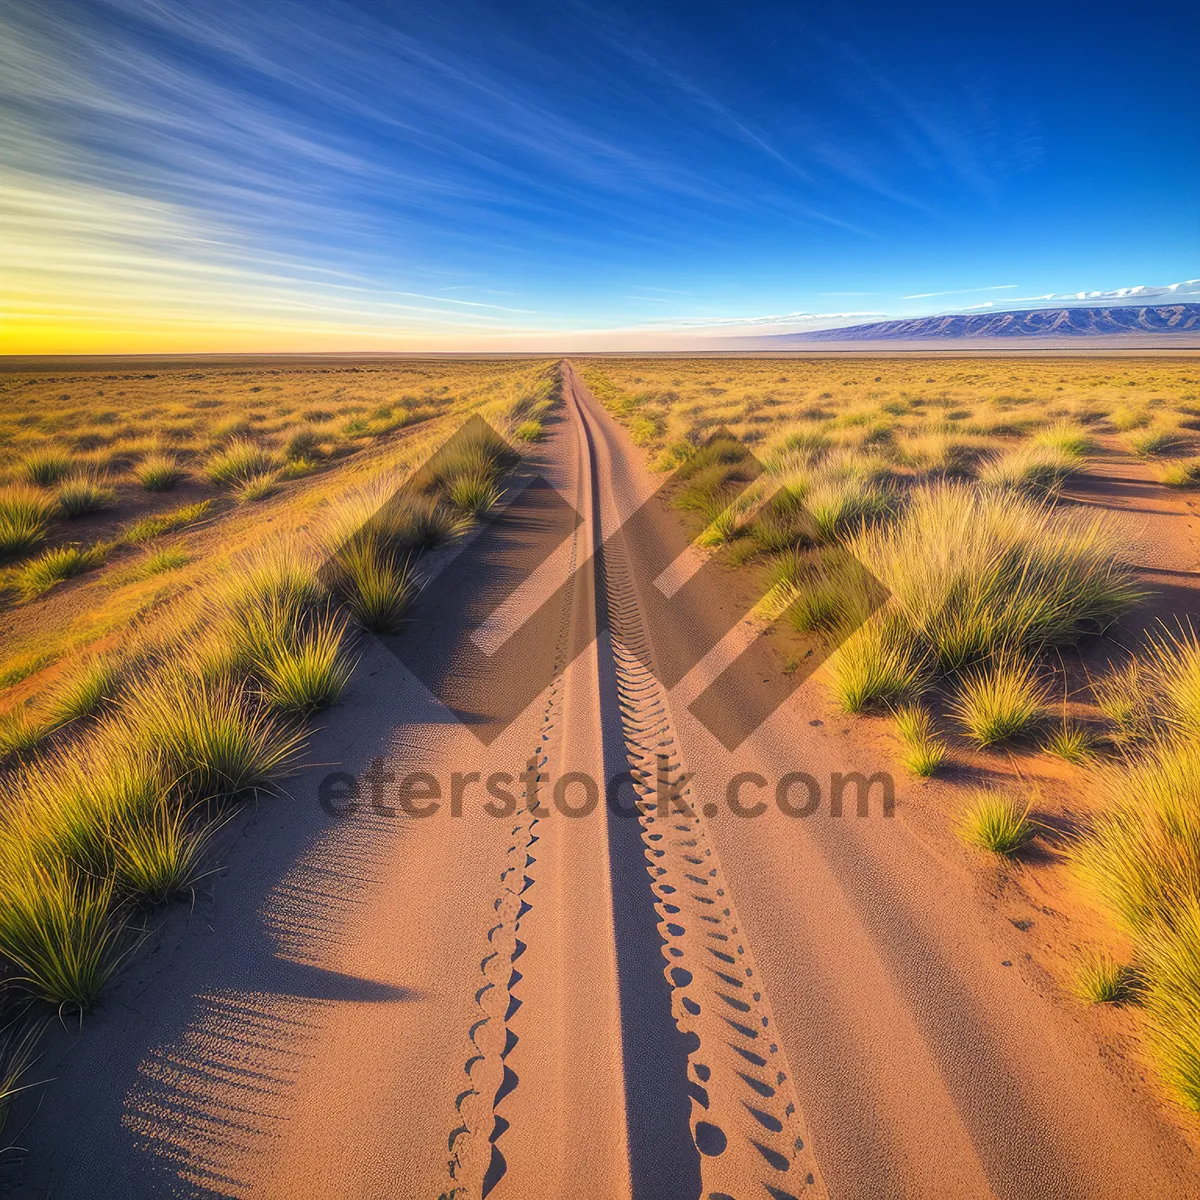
x=476, y=1163
x=746, y=1123
x=745, y=1119
x=736, y=1084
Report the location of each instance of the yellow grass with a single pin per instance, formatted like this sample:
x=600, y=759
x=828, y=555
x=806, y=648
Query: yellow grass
x=194, y=704
x=948, y=473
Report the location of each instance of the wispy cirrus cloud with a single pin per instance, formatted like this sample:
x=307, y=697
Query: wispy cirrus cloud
x=337, y=173
x=794, y=318
x=997, y=287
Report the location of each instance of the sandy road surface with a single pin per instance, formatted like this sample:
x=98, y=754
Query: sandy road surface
x=634, y=1003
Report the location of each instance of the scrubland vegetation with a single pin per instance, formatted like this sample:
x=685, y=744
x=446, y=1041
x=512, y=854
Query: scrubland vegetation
x=913, y=517
x=141, y=714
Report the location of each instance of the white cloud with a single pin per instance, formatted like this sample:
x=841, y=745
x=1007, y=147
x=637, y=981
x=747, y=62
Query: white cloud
x=997, y=287
x=1137, y=292
x=796, y=318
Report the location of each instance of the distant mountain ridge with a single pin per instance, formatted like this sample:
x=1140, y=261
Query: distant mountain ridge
x=1026, y=323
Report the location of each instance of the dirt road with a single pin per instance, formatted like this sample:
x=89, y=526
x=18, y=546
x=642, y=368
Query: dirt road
x=663, y=1001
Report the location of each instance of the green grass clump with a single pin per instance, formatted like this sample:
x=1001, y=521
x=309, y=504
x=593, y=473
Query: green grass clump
x=399, y=521
x=811, y=443
x=726, y=521
x=924, y=751
x=378, y=588
x=703, y=490
x=1125, y=419
x=1123, y=696
x=157, y=849
x=1143, y=850
x=477, y=452
x=216, y=654
x=297, y=468
x=44, y=468
x=282, y=575
x=1100, y=979
x=1182, y=474
x=258, y=487
x=20, y=733
x=85, y=691
x=838, y=507
x=1141, y=861
x=159, y=561
x=24, y=518
x=995, y=822
x=722, y=450
x=232, y=428
x=302, y=444
x=421, y=523
x=52, y=567
x=82, y=496
x=149, y=528
x=789, y=569
x=528, y=431
x=1071, y=742
x=304, y=669
x=1172, y=672
x=1066, y=438
x=819, y=605
x=214, y=738
x=57, y=929
x=825, y=591
x=239, y=461
x=879, y=663
x=783, y=523
x=1155, y=442
x=941, y=454
x=974, y=571
x=999, y=700
x=1037, y=469
x=643, y=429
x=1170, y=962
x=473, y=493
x=159, y=472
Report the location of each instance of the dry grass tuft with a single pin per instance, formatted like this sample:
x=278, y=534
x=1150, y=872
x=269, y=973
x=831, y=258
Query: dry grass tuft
x=84, y=495
x=238, y=462
x=45, y=467
x=25, y=515
x=52, y=567
x=995, y=822
x=1100, y=979
x=1000, y=699
x=972, y=573
x=924, y=752
x=159, y=472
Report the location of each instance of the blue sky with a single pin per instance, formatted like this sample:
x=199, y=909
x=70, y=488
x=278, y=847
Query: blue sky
x=283, y=176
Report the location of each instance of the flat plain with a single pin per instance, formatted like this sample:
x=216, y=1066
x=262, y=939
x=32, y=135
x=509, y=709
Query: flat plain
x=969, y=579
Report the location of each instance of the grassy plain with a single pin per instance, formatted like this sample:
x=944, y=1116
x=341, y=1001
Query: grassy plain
x=189, y=553
x=985, y=496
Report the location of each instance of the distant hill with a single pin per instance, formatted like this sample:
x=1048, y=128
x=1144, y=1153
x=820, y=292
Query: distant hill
x=1130, y=321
